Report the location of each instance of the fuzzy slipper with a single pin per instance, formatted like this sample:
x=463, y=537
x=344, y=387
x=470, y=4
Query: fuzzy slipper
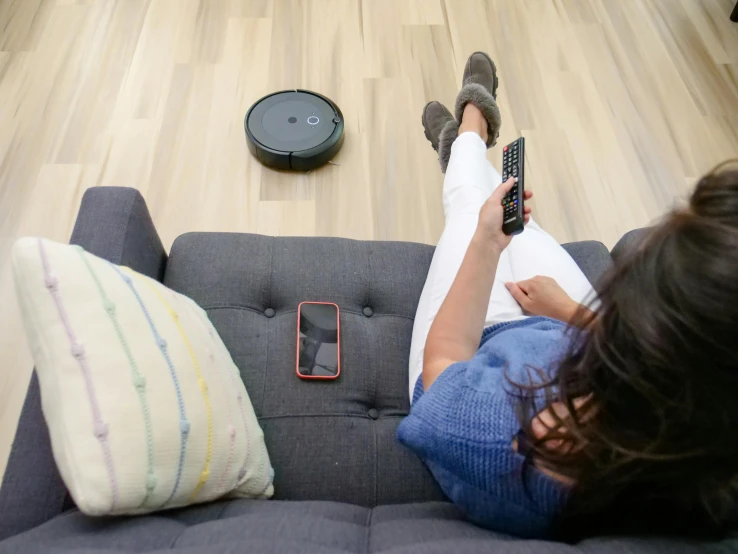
x=445, y=139
x=482, y=99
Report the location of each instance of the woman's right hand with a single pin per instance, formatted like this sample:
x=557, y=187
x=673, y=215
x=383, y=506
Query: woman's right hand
x=492, y=214
x=543, y=296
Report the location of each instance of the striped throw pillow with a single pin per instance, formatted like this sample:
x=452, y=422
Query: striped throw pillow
x=145, y=407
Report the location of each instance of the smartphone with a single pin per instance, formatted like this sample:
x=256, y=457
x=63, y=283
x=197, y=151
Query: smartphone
x=318, y=341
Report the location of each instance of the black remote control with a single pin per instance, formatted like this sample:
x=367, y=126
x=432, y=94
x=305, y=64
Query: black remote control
x=513, y=165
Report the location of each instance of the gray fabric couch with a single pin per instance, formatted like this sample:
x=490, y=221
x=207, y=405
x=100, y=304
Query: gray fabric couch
x=343, y=482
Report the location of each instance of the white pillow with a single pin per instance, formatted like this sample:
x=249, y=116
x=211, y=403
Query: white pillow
x=145, y=407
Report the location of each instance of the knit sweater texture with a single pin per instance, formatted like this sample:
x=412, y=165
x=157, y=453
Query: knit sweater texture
x=463, y=428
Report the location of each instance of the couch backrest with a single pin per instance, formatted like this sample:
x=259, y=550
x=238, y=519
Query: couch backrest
x=331, y=440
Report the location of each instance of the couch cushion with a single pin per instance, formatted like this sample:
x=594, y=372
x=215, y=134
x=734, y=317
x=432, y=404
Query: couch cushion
x=269, y=526
x=330, y=440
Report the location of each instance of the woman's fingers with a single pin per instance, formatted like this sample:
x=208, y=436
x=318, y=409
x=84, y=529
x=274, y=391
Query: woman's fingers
x=524, y=285
x=503, y=189
x=528, y=194
x=518, y=294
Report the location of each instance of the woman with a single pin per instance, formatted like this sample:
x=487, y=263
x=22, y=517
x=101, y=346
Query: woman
x=610, y=415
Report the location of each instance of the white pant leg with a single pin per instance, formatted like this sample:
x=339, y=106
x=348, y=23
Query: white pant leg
x=502, y=306
x=470, y=180
x=535, y=252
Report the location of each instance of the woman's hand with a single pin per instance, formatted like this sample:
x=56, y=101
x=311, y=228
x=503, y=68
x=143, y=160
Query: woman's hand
x=543, y=296
x=491, y=216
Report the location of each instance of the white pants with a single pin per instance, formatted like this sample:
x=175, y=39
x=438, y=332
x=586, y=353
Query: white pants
x=470, y=180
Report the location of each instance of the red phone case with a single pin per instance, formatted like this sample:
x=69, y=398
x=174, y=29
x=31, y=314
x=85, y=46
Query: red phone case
x=338, y=343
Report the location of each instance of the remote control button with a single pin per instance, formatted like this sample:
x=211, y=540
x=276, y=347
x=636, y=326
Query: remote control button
x=505, y=149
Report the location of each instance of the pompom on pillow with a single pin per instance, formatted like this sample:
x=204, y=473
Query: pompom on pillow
x=145, y=407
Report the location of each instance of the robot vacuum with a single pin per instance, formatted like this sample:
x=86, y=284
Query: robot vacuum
x=294, y=129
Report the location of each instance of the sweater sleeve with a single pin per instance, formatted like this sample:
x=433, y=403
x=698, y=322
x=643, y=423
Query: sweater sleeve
x=459, y=418
x=462, y=427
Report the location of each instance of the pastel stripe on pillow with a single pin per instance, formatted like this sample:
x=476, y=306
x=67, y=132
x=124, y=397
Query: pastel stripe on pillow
x=137, y=379
x=239, y=398
x=222, y=483
x=100, y=428
x=205, y=474
x=184, y=425
x=236, y=375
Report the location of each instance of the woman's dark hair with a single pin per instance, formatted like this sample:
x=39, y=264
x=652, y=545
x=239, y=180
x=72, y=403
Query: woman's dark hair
x=652, y=446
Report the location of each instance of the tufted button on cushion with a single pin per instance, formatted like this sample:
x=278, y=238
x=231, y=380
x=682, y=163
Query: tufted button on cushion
x=321, y=443
x=374, y=414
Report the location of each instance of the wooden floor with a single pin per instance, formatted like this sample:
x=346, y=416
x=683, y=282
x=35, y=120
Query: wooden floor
x=623, y=104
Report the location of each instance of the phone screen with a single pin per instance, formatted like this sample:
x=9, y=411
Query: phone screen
x=318, y=340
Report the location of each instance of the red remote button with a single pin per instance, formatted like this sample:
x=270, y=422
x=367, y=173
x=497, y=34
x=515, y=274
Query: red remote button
x=504, y=149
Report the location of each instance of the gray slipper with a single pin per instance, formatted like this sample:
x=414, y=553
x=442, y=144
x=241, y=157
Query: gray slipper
x=445, y=139
x=435, y=116
x=479, y=86
x=440, y=129
x=481, y=69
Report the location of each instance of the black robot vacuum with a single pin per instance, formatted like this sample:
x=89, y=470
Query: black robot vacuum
x=294, y=129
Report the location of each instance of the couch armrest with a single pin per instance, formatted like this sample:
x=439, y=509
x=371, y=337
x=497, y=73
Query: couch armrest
x=592, y=257
x=629, y=240
x=113, y=223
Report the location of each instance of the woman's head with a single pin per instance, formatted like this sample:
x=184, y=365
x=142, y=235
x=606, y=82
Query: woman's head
x=654, y=448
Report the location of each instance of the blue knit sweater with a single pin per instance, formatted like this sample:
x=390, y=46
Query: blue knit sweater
x=463, y=427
